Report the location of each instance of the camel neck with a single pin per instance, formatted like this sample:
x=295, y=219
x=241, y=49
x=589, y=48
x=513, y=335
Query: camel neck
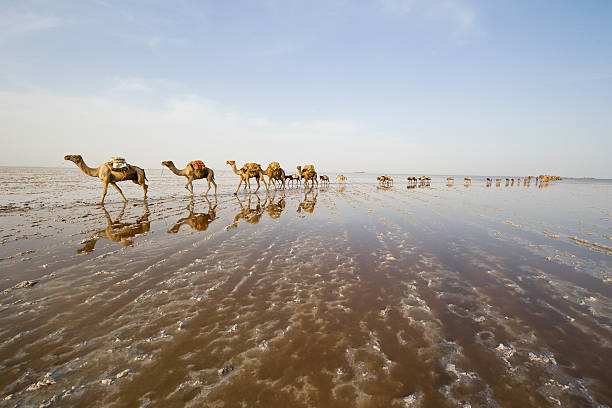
x=86, y=169
x=176, y=171
x=234, y=168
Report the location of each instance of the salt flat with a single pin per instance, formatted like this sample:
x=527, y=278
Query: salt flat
x=443, y=295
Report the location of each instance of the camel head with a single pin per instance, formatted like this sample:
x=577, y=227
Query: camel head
x=75, y=158
x=231, y=162
x=299, y=169
x=167, y=163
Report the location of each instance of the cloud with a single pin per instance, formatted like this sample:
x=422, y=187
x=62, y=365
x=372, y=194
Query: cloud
x=17, y=25
x=398, y=7
x=457, y=14
x=153, y=42
x=48, y=126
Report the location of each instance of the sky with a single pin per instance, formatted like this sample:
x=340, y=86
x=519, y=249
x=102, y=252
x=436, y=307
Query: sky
x=495, y=87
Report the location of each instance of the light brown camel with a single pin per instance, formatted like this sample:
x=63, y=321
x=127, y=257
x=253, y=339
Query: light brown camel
x=450, y=179
x=275, y=173
x=308, y=173
x=324, y=179
x=197, y=221
x=341, y=178
x=467, y=180
x=109, y=176
x=192, y=174
x=248, y=171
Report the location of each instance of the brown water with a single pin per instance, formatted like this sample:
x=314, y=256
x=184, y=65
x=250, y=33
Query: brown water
x=350, y=295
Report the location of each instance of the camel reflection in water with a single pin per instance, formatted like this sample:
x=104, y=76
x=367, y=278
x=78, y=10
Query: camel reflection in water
x=118, y=231
x=275, y=208
x=197, y=221
x=308, y=204
x=252, y=215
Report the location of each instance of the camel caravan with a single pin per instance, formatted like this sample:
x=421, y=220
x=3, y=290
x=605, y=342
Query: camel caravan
x=117, y=169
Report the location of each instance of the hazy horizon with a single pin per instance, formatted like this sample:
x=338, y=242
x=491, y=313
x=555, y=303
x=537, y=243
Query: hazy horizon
x=385, y=86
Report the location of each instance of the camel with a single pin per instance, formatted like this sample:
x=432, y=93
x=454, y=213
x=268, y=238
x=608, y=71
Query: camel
x=192, y=173
x=108, y=175
x=467, y=180
x=412, y=180
x=489, y=180
x=197, y=221
x=450, y=179
x=275, y=172
x=308, y=173
x=385, y=180
x=341, y=178
x=248, y=171
x=324, y=179
x=117, y=231
x=293, y=178
x=546, y=178
x=424, y=181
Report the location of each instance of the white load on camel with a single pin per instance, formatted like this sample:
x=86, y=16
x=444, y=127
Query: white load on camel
x=119, y=163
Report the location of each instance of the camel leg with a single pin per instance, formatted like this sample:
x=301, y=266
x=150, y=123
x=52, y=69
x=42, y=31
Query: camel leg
x=264, y=181
x=258, y=185
x=104, y=189
x=119, y=190
x=145, y=188
x=187, y=187
x=214, y=184
x=238, y=188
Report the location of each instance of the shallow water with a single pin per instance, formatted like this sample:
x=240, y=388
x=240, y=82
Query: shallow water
x=346, y=295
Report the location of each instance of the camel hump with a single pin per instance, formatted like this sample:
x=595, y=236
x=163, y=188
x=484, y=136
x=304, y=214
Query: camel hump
x=197, y=164
x=309, y=167
x=274, y=165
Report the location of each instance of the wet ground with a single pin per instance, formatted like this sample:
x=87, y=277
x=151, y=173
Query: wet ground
x=346, y=295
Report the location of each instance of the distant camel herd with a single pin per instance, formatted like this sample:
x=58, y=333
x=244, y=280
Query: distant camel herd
x=117, y=170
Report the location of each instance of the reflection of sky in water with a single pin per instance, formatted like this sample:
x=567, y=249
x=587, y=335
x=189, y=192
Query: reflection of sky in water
x=349, y=295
